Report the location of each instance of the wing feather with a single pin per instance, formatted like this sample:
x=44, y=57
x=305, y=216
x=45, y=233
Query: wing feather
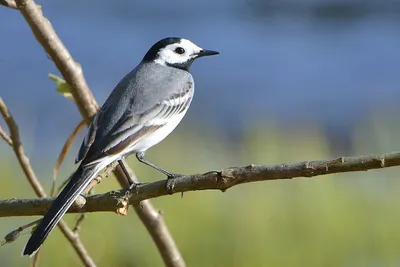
x=131, y=128
x=88, y=140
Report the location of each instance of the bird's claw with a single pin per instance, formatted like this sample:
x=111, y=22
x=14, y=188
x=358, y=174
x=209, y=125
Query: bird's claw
x=134, y=186
x=173, y=176
x=171, y=183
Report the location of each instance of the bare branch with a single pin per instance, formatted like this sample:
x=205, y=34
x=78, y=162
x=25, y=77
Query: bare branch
x=9, y=3
x=11, y=236
x=110, y=168
x=222, y=180
x=154, y=222
x=14, y=234
x=73, y=74
x=5, y=137
x=35, y=261
x=31, y=176
x=19, y=151
x=70, y=70
x=79, y=222
x=77, y=244
x=219, y=180
x=88, y=190
x=63, y=153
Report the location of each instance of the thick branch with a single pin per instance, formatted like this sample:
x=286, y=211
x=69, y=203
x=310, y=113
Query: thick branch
x=220, y=180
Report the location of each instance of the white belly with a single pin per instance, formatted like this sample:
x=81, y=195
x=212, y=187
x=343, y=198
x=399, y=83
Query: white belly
x=155, y=137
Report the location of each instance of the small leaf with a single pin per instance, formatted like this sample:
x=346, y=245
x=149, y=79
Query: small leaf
x=62, y=86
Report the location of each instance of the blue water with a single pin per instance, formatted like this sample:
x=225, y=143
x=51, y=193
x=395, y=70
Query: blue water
x=289, y=62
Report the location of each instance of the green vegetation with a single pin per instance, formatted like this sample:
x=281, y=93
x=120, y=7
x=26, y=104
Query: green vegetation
x=337, y=220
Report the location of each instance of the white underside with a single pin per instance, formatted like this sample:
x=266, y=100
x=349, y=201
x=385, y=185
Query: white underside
x=146, y=142
x=156, y=137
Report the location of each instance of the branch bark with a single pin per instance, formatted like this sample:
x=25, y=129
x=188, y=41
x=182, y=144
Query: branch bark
x=71, y=70
x=220, y=180
x=73, y=75
x=154, y=222
x=9, y=3
x=40, y=192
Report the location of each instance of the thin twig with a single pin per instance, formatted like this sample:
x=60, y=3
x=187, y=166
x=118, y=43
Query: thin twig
x=79, y=223
x=19, y=150
x=63, y=153
x=13, y=235
x=214, y=180
x=5, y=137
x=31, y=176
x=89, y=190
x=35, y=261
x=9, y=3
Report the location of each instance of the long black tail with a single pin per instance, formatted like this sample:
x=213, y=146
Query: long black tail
x=78, y=182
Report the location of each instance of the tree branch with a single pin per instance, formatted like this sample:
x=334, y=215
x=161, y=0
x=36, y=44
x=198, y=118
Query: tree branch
x=40, y=192
x=154, y=222
x=220, y=180
x=73, y=75
x=5, y=137
x=19, y=150
x=71, y=70
x=9, y=3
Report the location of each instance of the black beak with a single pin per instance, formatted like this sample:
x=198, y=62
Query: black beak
x=204, y=53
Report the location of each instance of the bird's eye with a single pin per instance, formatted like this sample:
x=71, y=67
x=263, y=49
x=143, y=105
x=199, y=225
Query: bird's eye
x=179, y=50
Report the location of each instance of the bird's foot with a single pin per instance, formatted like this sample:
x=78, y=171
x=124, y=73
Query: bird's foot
x=133, y=186
x=171, y=183
x=173, y=176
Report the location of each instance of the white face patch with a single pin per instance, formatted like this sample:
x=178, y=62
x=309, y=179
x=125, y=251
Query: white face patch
x=170, y=56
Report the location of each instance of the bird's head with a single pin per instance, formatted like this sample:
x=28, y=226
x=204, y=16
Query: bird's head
x=176, y=52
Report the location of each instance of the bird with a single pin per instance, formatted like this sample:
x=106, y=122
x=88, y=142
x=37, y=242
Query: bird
x=143, y=109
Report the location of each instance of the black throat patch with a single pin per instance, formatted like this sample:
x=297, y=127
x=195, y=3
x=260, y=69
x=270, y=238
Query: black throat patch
x=182, y=66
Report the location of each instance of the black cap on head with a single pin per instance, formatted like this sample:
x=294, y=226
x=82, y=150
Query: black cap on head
x=152, y=53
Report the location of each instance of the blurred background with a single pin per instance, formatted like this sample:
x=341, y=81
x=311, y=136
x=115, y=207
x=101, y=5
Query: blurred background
x=296, y=80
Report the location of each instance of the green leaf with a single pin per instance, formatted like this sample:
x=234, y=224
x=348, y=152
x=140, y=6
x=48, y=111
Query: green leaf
x=62, y=86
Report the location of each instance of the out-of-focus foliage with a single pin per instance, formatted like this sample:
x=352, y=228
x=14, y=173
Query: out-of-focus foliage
x=296, y=80
x=62, y=87
x=349, y=219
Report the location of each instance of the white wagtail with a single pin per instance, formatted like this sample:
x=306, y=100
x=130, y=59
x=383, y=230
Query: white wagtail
x=145, y=107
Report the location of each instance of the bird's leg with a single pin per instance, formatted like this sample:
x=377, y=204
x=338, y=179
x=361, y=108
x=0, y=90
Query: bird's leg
x=170, y=182
x=170, y=175
x=127, y=174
